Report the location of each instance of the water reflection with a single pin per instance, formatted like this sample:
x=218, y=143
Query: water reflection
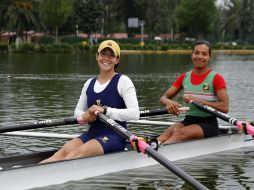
x=48, y=86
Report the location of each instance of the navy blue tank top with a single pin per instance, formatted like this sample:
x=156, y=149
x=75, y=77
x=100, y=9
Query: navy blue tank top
x=108, y=97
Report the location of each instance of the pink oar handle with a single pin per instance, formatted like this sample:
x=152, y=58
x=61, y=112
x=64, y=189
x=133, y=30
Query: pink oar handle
x=249, y=127
x=141, y=144
x=81, y=121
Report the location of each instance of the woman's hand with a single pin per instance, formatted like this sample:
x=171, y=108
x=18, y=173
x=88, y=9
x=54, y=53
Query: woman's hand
x=188, y=98
x=173, y=107
x=88, y=117
x=95, y=108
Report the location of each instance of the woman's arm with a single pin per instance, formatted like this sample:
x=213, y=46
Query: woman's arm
x=127, y=90
x=81, y=106
x=172, y=106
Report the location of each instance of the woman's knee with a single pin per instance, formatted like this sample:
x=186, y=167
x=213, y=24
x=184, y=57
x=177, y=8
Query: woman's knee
x=63, y=152
x=73, y=154
x=169, y=130
x=178, y=134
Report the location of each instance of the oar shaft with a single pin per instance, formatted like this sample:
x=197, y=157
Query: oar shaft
x=239, y=124
x=160, y=111
x=147, y=149
x=115, y=126
x=180, y=173
x=70, y=120
x=215, y=112
x=38, y=124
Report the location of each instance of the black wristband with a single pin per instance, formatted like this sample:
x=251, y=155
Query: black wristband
x=105, y=110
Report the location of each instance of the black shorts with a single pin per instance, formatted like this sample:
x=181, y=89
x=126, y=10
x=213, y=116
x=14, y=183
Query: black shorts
x=209, y=124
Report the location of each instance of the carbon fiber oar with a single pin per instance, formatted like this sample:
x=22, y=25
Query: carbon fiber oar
x=147, y=149
x=160, y=111
x=248, y=128
x=71, y=120
x=39, y=124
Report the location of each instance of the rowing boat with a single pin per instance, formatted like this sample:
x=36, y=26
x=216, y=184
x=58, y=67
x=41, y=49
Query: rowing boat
x=24, y=172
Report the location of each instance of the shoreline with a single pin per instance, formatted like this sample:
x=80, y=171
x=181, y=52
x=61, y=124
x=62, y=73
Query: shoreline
x=171, y=51
x=187, y=52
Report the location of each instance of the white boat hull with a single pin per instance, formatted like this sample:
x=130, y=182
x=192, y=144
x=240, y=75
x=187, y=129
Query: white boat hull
x=59, y=172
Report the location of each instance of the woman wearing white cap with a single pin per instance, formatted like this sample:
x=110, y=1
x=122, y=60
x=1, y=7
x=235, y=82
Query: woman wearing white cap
x=110, y=93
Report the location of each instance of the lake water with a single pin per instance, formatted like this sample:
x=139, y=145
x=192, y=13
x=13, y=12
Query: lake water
x=48, y=87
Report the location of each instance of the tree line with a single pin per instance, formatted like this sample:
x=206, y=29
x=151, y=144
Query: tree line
x=232, y=21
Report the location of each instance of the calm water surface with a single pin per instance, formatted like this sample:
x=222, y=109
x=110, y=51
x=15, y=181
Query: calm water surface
x=48, y=86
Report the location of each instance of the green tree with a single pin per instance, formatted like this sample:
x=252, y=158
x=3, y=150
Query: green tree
x=133, y=9
x=246, y=17
x=19, y=16
x=54, y=14
x=160, y=16
x=228, y=24
x=235, y=21
x=89, y=14
x=196, y=17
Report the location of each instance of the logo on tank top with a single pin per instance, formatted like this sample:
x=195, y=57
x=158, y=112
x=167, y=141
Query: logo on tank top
x=98, y=102
x=206, y=87
x=104, y=139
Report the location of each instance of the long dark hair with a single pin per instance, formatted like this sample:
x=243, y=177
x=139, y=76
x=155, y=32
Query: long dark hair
x=116, y=66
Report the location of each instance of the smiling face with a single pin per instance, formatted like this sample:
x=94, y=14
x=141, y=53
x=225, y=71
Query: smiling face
x=107, y=60
x=200, y=56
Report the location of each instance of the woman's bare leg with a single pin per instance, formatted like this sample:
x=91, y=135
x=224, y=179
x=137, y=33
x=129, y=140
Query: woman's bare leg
x=186, y=133
x=64, y=151
x=90, y=148
x=166, y=135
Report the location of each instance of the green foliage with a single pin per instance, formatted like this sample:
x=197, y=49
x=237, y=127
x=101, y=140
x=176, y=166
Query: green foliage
x=3, y=47
x=42, y=48
x=59, y=48
x=151, y=47
x=26, y=47
x=165, y=47
x=23, y=48
x=83, y=47
x=76, y=48
x=246, y=29
x=46, y=40
x=54, y=13
x=189, y=18
x=12, y=47
x=196, y=17
x=19, y=15
x=160, y=16
x=72, y=39
x=89, y=15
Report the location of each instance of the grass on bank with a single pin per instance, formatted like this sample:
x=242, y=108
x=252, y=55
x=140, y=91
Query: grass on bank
x=85, y=47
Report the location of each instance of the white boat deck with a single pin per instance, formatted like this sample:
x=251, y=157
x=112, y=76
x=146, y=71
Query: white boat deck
x=32, y=176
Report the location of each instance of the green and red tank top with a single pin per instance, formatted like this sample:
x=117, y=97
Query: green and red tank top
x=204, y=90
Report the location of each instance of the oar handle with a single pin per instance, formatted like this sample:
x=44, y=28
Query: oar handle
x=160, y=111
x=244, y=126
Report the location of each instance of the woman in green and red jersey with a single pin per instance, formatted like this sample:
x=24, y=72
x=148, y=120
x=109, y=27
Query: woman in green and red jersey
x=203, y=85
